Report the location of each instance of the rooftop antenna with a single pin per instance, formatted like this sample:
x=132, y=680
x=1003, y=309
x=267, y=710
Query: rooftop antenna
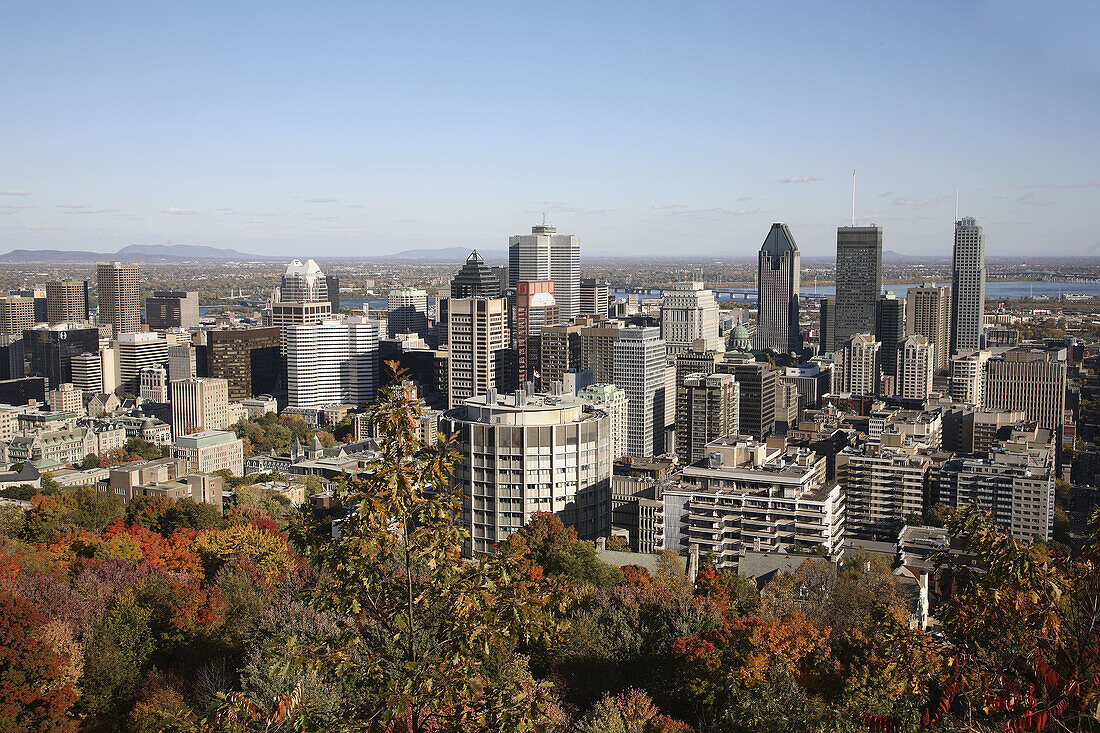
x=853, y=197
x=956, y=203
x=544, y=217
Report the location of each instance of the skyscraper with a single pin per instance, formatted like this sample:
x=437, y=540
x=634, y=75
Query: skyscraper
x=475, y=280
x=706, y=409
x=16, y=314
x=915, y=359
x=67, y=301
x=890, y=330
x=594, y=297
x=172, y=309
x=546, y=255
x=247, y=358
x=639, y=365
x=777, y=281
x=928, y=313
x=967, y=286
x=858, y=281
x=118, y=297
x=477, y=331
x=199, y=404
x=533, y=309
x=688, y=313
x=332, y=362
x=827, y=325
x=408, y=312
x=857, y=366
x=303, y=282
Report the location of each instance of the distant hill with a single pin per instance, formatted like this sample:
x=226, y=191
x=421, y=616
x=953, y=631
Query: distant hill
x=132, y=253
x=900, y=259
x=446, y=254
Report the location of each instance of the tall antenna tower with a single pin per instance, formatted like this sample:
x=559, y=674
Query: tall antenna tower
x=853, y=197
x=956, y=203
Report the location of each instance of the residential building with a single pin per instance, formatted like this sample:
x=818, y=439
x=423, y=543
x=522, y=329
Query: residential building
x=613, y=401
x=967, y=286
x=477, y=333
x=689, y=312
x=1029, y=380
x=696, y=359
x=119, y=306
x=777, y=287
x=210, y=451
x=756, y=394
x=856, y=370
x=858, y=281
x=884, y=486
x=172, y=309
x=915, y=365
x=928, y=314
x=199, y=404
x=522, y=454
x=332, y=362
x=968, y=377
x=594, y=298
x=546, y=255
x=67, y=301
x=707, y=408
x=639, y=370
x=408, y=312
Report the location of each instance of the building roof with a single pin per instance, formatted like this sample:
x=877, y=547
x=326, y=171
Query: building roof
x=205, y=439
x=779, y=241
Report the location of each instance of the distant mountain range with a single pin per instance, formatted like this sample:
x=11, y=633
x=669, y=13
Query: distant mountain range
x=132, y=253
x=445, y=254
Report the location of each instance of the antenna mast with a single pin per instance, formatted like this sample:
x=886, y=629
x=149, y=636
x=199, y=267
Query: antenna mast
x=956, y=203
x=853, y=197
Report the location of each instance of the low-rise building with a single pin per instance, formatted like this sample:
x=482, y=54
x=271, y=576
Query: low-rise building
x=210, y=451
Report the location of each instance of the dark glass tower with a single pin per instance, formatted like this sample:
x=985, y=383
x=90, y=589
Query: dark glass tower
x=777, y=280
x=858, y=281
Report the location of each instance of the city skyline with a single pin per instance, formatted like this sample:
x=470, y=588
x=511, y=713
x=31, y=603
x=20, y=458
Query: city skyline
x=283, y=133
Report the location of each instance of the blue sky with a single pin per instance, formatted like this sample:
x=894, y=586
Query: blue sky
x=644, y=128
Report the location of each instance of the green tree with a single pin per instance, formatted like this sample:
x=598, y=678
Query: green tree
x=546, y=542
x=115, y=662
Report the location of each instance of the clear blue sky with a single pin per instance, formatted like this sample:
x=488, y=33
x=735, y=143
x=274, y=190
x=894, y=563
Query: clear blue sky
x=644, y=128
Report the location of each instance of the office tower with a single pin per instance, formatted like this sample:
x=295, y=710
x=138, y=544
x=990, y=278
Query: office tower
x=1014, y=482
x=594, y=298
x=119, y=306
x=183, y=362
x=332, y=362
x=788, y=406
x=332, y=285
x=697, y=359
x=500, y=272
x=172, y=309
x=534, y=308
x=408, y=312
x=303, y=282
x=12, y=356
x=857, y=366
x=135, y=352
x=477, y=331
x=199, y=404
x=968, y=377
x=707, y=408
x=67, y=301
x=210, y=451
x=883, y=487
x=967, y=286
x=858, y=281
x=688, y=312
x=546, y=255
x=1030, y=380
x=559, y=351
x=475, y=280
x=928, y=313
x=827, y=325
x=748, y=496
x=50, y=349
x=777, y=280
x=890, y=331
x=915, y=362
x=87, y=372
x=505, y=480
x=613, y=401
x=285, y=314
x=811, y=380
x=38, y=297
x=153, y=384
x=639, y=366
x=247, y=358
x=598, y=350
x=756, y=383
x=16, y=314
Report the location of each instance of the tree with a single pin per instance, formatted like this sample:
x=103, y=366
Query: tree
x=33, y=695
x=116, y=661
x=546, y=542
x=618, y=543
x=629, y=712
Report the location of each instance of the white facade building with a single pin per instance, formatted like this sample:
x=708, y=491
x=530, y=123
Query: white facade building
x=857, y=369
x=916, y=365
x=689, y=312
x=198, y=404
x=332, y=362
x=546, y=255
x=639, y=368
x=613, y=401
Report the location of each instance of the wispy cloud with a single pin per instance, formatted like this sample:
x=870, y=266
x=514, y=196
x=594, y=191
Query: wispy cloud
x=1033, y=199
x=886, y=194
x=72, y=206
x=178, y=210
x=323, y=218
x=14, y=192
x=799, y=179
x=92, y=211
x=683, y=210
x=354, y=206
x=901, y=201
x=321, y=200
x=744, y=198
x=562, y=207
x=12, y=208
x=1082, y=184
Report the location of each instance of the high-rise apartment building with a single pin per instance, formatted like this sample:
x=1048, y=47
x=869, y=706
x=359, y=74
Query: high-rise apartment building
x=707, y=408
x=1030, y=380
x=856, y=370
x=332, y=362
x=247, y=358
x=199, y=404
x=135, y=352
x=890, y=330
x=756, y=384
x=697, y=359
x=968, y=377
x=594, y=298
x=689, y=312
x=858, y=281
x=967, y=286
x=67, y=301
x=884, y=487
x=928, y=313
x=613, y=401
x=166, y=309
x=777, y=284
x=119, y=306
x=477, y=331
x=522, y=454
x=16, y=314
x=408, y=312
x=559, y=351
x=639, y=366
x=915, y=362
x=546, y=255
